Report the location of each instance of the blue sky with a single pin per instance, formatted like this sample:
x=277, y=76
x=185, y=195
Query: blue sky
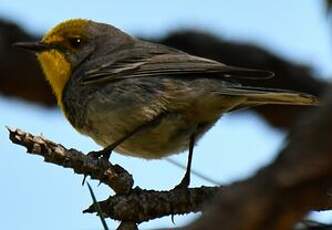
x=35, y=193
x=296, y=29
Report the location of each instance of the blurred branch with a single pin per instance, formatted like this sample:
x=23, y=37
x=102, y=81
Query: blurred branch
x=279, y=195
x=312, y=225
x=27, y=81
x=328, y=4
x=20, y=74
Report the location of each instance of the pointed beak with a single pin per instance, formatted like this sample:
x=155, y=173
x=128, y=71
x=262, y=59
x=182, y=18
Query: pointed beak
x=32, y=46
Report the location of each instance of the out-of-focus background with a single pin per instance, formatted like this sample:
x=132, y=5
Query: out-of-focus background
x=292, y=38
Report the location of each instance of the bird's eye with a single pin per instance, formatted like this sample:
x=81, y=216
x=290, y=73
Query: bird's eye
x=75, y=42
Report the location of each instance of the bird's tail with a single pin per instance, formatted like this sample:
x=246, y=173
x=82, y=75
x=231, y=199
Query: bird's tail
x=260, y=96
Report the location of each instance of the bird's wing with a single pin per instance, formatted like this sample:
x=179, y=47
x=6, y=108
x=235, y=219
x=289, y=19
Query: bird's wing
x=132, y=64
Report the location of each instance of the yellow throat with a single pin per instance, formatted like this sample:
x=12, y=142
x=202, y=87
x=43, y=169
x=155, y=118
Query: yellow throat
x=57, y=71
x=55, y=65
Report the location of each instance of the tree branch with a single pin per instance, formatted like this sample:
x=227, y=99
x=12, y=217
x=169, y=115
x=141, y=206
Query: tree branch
x=143, y=205
x=113, y=175
x=128, y=205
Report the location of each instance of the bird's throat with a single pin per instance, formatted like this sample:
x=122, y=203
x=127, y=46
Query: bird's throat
x=57, y=70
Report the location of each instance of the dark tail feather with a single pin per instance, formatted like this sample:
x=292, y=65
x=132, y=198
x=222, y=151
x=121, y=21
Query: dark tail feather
x=260, y=96
x=284, y=99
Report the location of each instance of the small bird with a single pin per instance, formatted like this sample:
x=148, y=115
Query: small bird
x=141, y=98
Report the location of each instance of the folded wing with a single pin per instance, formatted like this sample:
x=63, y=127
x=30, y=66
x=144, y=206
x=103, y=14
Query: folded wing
x=132, y=63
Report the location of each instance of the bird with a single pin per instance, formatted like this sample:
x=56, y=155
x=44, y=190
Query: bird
x=140, y=98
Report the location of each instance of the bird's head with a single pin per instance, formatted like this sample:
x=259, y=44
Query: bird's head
x=70, y=43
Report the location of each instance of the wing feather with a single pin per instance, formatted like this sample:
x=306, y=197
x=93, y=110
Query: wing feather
x=134, y=64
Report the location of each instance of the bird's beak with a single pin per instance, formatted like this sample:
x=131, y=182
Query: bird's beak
x=32, y=46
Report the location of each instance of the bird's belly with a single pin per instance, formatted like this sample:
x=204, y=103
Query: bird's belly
x=167, y=136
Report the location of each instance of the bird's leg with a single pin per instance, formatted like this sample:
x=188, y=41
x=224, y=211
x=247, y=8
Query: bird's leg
x=186, y=179
x=106, y=152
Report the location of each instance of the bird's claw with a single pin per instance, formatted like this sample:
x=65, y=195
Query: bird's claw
x=184, y=184
x=102, y=154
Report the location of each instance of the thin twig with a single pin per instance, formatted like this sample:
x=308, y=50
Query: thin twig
x=100, y=212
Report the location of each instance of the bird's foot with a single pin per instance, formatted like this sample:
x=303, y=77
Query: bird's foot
x=103, y=154
x=184, y=184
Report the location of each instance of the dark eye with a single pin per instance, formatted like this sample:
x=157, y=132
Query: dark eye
x=75, y=42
